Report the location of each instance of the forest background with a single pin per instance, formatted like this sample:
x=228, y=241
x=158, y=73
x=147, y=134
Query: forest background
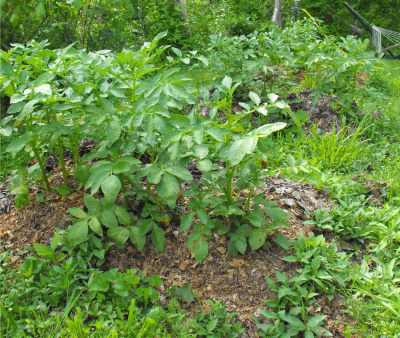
x=118, y=24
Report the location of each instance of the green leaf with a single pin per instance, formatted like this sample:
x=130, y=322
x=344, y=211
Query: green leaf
x=158, y=238
x=185, y=293
x=123, y=215
x=63, y=190
x=316, y=321
x=99, y=282
x=111, y=187
x=180, y=172
x=55, y=241
x=257, y=239
x=154, y=174
x=113, y=131
x=257, y=218
x=177, y=51
x=282, y=241
x=91, y=203
x=95, y=226
x=43, y=89
x=200, y=249
x=119, y=235
x=5, y=68
x=294, y=322
x=200, y=151
x=82, y=173
x=42, y=78
x=255, y=98
x=78, y=233
x=17, y=144
x=187, y=221
x=227, y=82
x=267, y=129
x=241, y=244
x=212, y=325
x=204, y=165
x=108, y=219
x=7, y=131
x=125, y=164
x=77, y=212
x=239, y=148
x=137, y=237
x=277, y=213
x=43, y=250
x=168, y=189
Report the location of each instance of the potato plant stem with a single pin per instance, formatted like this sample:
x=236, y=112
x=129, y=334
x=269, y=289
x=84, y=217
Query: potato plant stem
x=42, y=167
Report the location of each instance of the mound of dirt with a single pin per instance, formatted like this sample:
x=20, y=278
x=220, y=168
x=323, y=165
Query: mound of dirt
x=320, y=113
x=238, y=281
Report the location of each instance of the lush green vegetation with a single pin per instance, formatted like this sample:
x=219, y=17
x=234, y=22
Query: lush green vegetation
x=142, y=105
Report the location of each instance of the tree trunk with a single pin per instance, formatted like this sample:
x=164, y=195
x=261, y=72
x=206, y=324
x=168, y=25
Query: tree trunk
x=182, y=6
x=277, y=16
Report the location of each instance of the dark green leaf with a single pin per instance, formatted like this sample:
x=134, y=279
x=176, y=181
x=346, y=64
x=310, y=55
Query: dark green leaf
x=257, y=239
x=282, y=241
x=187, y=221
x=158, y=238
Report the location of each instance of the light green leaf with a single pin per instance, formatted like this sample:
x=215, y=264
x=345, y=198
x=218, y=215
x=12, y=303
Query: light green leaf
x=78, y=233
x=255, y=98
x=158, y=238
x=273, y=97
x=17, y=144
x=123, y=215
x=177, y=51
x=91, y=203
x=180, y=172
x=168, y=189
x=268, y=129
x=236, y=151
x=137, y=237
x=42, y=78
x=108, y=218
x=200, y=151
x=113, y=131
x=43, y=89
x=43, y=250
x=6, y=68
x=77, y=212
x=154, y=174
x=95, y=226
x=111, y=187
x=277, y=213
x=7, y=131
x=119, y=235
x=227, y=82
x=204, y=165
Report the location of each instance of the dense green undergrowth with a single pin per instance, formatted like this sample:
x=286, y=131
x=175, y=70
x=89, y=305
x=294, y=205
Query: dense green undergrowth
x=144, y=108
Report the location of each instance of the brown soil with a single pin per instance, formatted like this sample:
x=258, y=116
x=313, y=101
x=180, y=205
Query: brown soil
x=238, y=281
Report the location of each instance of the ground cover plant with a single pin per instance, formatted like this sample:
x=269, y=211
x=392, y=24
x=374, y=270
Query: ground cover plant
x=184, y=143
